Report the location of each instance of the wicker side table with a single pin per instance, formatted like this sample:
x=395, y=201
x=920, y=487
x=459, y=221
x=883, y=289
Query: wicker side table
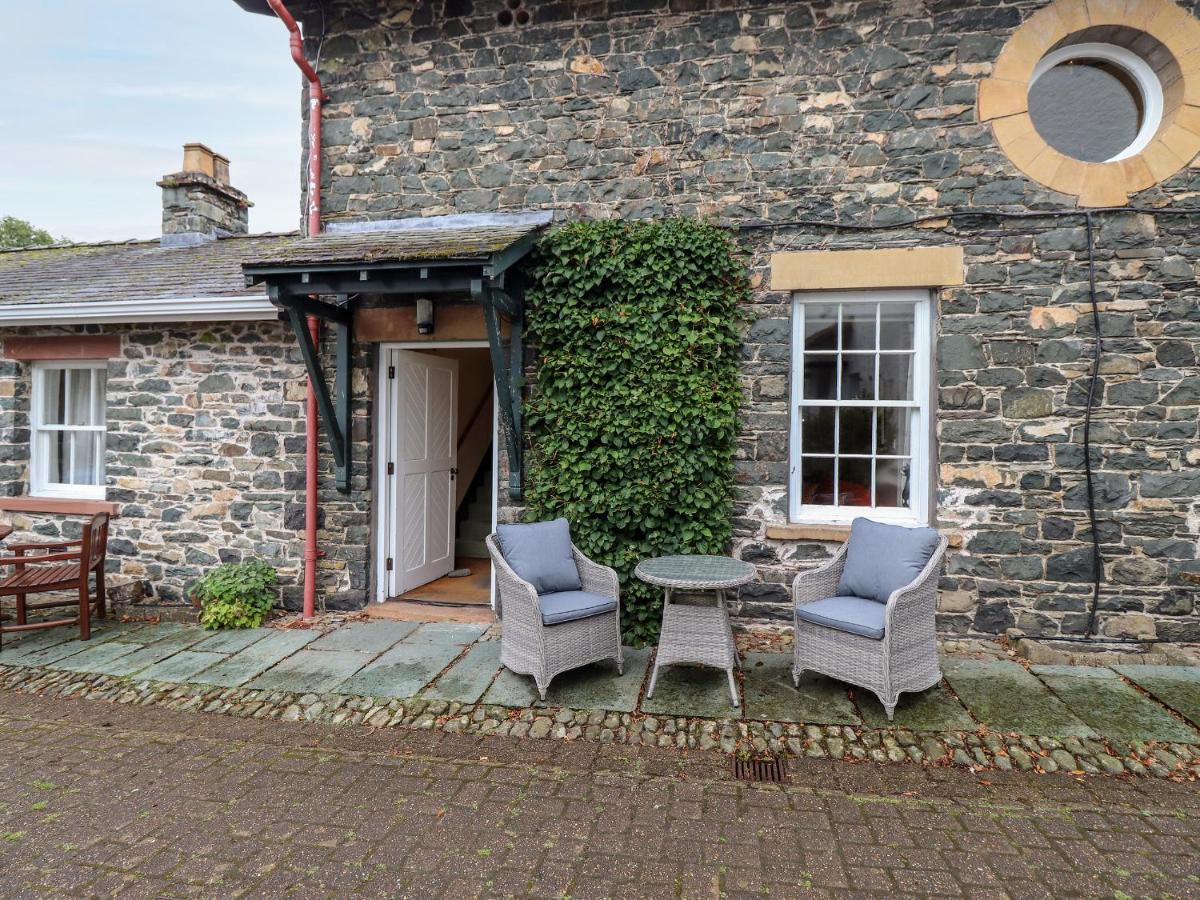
x=695, y=634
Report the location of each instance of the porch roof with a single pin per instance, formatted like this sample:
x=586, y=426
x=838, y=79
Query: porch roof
x=439, y=256
x=479, y=245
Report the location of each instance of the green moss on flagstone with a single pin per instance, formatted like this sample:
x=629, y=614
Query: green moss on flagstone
x=1113, y=708
x=258, y=657
x=96, y=657
x=64, y=643
x=929, y=711
x=152, y=632
x=232, y=641
x=1176, y=686
x=772, y=696
x=1005, y=697
x=692, y=691
x=403, y=670
x=468, y=678
x=132, y=663
x=511, y=689
x=311, y=671
x=447, y=633
x=183, y=666
x=598, y=686
x=364, y=637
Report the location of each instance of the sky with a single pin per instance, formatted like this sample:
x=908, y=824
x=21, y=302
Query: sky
x=99, y=97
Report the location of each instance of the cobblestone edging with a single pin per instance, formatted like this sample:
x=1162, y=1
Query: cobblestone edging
x=890, y=745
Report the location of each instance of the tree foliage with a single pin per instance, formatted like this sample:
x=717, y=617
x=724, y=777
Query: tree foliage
x=633, y=418
x=17, y=233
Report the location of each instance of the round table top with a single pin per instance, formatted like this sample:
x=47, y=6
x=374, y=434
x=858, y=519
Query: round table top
x=695, y=572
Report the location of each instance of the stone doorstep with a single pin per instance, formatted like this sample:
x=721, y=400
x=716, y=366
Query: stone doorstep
x=974, y=750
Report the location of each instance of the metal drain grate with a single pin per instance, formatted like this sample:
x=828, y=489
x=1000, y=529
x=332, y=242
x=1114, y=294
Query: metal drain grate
x=772, y=769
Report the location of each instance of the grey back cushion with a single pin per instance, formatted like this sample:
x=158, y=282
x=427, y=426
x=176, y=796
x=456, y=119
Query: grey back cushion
x=882, y=558
x=540, y=553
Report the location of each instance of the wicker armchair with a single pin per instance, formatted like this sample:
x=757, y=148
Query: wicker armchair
x=530, y=647
x=905, y=659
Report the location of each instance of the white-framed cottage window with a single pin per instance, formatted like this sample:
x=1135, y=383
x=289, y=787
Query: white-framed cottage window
x=67, y=429
x=860, y=443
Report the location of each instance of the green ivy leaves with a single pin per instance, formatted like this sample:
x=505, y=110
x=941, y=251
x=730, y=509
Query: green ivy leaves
x=236, y=595
x=633, y=417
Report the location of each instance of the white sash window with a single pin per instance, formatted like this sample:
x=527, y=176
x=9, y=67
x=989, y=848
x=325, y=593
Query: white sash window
x=860, y=442
x=68, y=427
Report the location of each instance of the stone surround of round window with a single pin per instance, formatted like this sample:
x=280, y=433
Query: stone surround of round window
x=1098, y=100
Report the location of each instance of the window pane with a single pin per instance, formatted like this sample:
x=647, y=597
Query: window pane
x=83, y=461
x=854, y=434
x=854, y=482
x=858, y=326
x=896, y=326
x=895, y=377
x=99, y=384
x=820, y=376
x=858, y=376
x=891, y=482
x=53, y=392
x=816, y=478
x=817, y=423
x=79, y=397
x=820, y=326
x=56, y=446
x=1088, y=109
x=892, y=427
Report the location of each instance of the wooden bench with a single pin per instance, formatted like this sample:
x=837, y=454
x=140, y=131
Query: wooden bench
x=40, y=568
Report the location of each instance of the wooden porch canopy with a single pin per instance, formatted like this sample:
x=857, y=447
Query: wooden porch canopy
x=433, y=258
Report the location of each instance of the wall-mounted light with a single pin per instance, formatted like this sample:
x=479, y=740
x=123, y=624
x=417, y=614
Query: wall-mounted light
x=424, y=317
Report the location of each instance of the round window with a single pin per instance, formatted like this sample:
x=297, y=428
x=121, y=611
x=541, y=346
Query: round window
x=1095, y=102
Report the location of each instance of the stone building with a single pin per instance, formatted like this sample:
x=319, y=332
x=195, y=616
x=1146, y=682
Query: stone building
x=943, y=206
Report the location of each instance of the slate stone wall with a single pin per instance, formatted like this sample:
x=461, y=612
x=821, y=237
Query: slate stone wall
x=205, y=457
x=861, y=111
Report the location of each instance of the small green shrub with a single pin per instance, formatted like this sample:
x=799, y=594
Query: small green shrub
x=236, y=595
x=633, y=419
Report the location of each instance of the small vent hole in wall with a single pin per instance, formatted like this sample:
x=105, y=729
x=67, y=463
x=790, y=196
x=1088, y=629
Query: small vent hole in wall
x=514, y=14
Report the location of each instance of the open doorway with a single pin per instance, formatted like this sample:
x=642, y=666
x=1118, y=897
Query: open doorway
x=436, y=485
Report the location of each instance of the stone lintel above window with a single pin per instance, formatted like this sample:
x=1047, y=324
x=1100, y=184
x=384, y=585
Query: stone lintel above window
x=890, y=267
x=66, y=346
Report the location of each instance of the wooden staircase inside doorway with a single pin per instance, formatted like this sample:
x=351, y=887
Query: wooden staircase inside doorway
x=475, y=519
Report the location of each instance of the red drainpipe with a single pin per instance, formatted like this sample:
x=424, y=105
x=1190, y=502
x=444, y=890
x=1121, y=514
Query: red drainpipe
x=316, y=96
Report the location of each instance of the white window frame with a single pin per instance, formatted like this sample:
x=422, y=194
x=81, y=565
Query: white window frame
x=39, y=483
x=921, y=435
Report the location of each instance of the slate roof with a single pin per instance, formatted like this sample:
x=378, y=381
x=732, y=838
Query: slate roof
x=131, y=270
x=466, y=238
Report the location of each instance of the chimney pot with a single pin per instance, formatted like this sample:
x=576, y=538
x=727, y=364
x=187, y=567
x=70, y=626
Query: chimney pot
x=199, y=204
x=221, y=168
x=198, y=158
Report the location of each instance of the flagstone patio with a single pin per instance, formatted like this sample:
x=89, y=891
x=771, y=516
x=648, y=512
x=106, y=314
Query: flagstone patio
x=456, y=663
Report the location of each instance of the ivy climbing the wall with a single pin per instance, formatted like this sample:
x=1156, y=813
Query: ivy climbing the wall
x=632, y=421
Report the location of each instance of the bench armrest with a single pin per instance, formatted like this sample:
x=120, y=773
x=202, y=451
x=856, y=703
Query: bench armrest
x=38, y=560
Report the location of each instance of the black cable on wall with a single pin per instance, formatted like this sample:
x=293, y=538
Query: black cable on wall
x=1088, y=217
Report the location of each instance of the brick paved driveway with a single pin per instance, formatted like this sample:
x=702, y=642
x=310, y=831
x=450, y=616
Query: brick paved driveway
x=100, y=799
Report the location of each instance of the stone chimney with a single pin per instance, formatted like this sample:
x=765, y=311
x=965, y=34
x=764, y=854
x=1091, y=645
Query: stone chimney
x=199, y=204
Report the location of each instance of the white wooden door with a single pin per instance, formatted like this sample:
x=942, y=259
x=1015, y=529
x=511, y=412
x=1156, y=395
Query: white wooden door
x=423, y=456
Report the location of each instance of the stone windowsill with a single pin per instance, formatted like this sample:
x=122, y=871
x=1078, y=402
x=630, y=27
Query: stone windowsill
x=64, y=505
x=831, y=533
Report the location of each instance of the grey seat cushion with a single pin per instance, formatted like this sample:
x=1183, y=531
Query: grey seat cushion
x=882, y=558
x=852, y=614
x=540, y=553
x=567, y=606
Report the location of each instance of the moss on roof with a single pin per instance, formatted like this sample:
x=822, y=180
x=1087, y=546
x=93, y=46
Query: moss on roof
x=130, y=270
